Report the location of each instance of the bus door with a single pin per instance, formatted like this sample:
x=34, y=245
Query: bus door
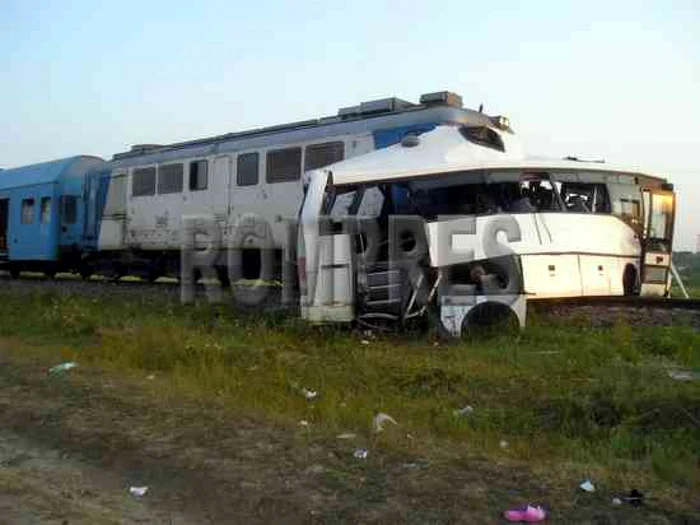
x=659, y=210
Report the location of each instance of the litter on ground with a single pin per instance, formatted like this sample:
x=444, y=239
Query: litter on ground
x=63, y=367
x=528, y=514
x=587, y=486
x=138, y=492
x=466, y=410
x=361, y=453
x=380, y=419
x=684, y=375
x=309, y=394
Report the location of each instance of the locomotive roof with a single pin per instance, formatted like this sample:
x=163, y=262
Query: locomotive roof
x=368, y=116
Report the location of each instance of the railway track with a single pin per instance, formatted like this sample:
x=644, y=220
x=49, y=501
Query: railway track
x=598, y=311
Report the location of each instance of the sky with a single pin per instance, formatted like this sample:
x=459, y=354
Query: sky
x=618, y=80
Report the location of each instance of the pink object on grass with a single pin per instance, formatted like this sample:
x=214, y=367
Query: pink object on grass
x=528, y=514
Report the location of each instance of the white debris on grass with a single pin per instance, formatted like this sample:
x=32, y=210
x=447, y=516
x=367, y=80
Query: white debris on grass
x=63, y=367
x=684, y=375
x=138, y=492
x=587, y=486
x=464, y=411
x=309, y=394
x=361, y=453
x=380, y=419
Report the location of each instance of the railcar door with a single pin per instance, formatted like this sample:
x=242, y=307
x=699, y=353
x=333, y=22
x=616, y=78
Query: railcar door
x=71, y=219
x=90, y=195
x=659, y=209
x=4, y=210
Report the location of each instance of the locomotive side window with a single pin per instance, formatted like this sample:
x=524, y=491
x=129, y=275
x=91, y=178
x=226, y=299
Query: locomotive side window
x=45, y=210
x=319, y=155
x=199, y=175
x=69, y=209
x=143, y=182
x=248, y=167
x=169, y=178
x=284, y=165
x=27, y=211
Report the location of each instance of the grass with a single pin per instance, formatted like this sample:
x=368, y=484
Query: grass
x=570, y=400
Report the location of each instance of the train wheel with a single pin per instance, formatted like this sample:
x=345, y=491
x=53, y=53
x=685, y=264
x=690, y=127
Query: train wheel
x=50, y=274
x=85, y=272
x=14, y=272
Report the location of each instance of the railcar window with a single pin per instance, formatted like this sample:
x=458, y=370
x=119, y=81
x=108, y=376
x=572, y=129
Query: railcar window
x=283, y=165
x=247, y=173
x=143, y=182
x=199, y=175
x=45, y=210
x=70, y=209
x=27, y=211
x=170, y=178
x=319, y=155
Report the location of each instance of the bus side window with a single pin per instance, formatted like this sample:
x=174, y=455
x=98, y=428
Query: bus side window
x=585, y=198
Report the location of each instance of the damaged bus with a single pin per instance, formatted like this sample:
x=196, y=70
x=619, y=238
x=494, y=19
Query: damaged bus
x=458, y=221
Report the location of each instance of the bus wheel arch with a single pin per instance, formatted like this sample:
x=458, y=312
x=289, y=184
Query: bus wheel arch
x=630, y=280
x=489, y=318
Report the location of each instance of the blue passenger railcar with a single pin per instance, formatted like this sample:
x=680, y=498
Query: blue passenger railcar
x=43, y=214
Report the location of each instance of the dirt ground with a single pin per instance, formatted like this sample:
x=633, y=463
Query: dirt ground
x=72, y=445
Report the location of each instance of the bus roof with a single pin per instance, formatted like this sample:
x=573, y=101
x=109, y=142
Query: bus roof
x=445, y=150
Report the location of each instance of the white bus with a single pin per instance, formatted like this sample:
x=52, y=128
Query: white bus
x=461, y=218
